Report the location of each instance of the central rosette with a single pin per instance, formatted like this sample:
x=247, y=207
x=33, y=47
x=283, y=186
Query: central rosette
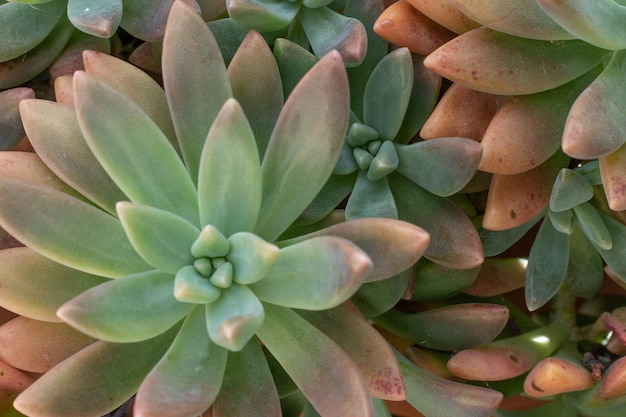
x=221, y=263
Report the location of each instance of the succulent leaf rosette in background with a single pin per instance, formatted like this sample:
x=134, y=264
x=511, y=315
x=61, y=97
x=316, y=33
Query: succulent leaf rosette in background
x=160, y=236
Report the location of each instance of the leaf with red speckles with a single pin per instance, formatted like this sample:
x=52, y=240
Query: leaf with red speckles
x=497, y=63
x=613, y=171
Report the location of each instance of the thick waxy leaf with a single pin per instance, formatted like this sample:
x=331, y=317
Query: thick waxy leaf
x=70, y=59
x=13, y=382
x=606, y=398
x=313, y=122
x=23, y=27
x=130, y=309
x=29, y=167
x=497, y=63
x=327, y=30
x=392, y=245
x=454, y=241
x=528, y=129
x=614, y=258
x=190, y=286
x=428, y=163
x=36, y=346
x=592, y=128
x=497, y=241
x=234, y=318
x=612, y=169
x=599, y=22
x=262, y=15
x=136, y=85
x=434, y=396
x=53, y=131
x=76, y=234
x=96, y=17
x=195, y=80
x=497, y=276
x=315, y=274
x=252, y=258
x=387, y=93
x=293, y=62
x=569, y=190
x=371, y=199
x=11, y=129
x=554, y=375
x=34, y=286
x=563, y=221
x=435, y=282
x=149, y=27
x=592, y=225
x=547, y=265
x=116, y=370
x=367, y=348
x=248, y=388
x=161, y=238
x=515, y=199
x=336, y=189
x=525, y=18
x=455, y=327
x=508, y=358
x=262, y=99
x=443, y=13
x=291, y=339
x=133, y=150
x=584, y=271
x=187, y=379
x=375, y=298
x=229, y=182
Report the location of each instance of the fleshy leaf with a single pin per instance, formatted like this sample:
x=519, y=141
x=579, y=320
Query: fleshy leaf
x=54, y=133
x=547, y=265
x=77, y=235
x=592, y=225
x=262, y=99
x=392, y=245
x=188, y=378
x=592, y=128
x=96, y=17
x=195, y=97
x=37, y=346
x=336, y=189
x=584, y=271
x=434, y=282
x=454, y=327
x=313, y=122
x=34, y=286
x=328, y=30
x=371, y=199
x=387, y=93
x=11, y=129
x=316, y=274
x=126, y=310
x=248, y=388
x=454, y=241
x=376, y=297
x=262, y=15
x=234, y=318
x=599, y=22
x=118, y=369
x=563, y=221
x=497, y=63
x=497, y=241
x=148, y=27
x=133, y=150
x=192, y=287
x=291, y=339
x=613, y=173
x=569, y=190
x=444, y=14
x=252, y=258
x=367, y=348
x=229, y=182
x=427, y=163
x=385, y=161
x=525, y=19
x=161, y=238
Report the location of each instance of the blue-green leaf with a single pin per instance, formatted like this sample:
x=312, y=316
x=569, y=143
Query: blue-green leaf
x=371, y=199
x=262, y=15
x=570, y=189
x=125, y=310
x=161, y=238
x=96, y=17
x=592, y=225
x=316, y=274
x=188, y=378
x=132, y=149
x=71, y=232
x=229, y=178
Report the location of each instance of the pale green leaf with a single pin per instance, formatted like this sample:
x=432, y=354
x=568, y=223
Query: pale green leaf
x=387, y=93
x=126, y=310
x=304, y=146
x=188, y=378
x=293, y=62
x=147, y=26
x=96, y=17
x=371, y=199
x=336, y=189
x=72, y=232
x=229, y=182
x=132, y=149
x=376, y=297
x=584, y=270
x=593, y=226
x=195, y=80
x=161, y=238
x=569, y=190
x=11, y=129
x=316, y=274
x=262, y=15
x=292, y=341
x=94, y=381
x=547, y=265
x=252, y=258
x=34, y=286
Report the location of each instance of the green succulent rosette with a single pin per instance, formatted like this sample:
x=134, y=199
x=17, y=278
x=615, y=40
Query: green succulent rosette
x=154, y=219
